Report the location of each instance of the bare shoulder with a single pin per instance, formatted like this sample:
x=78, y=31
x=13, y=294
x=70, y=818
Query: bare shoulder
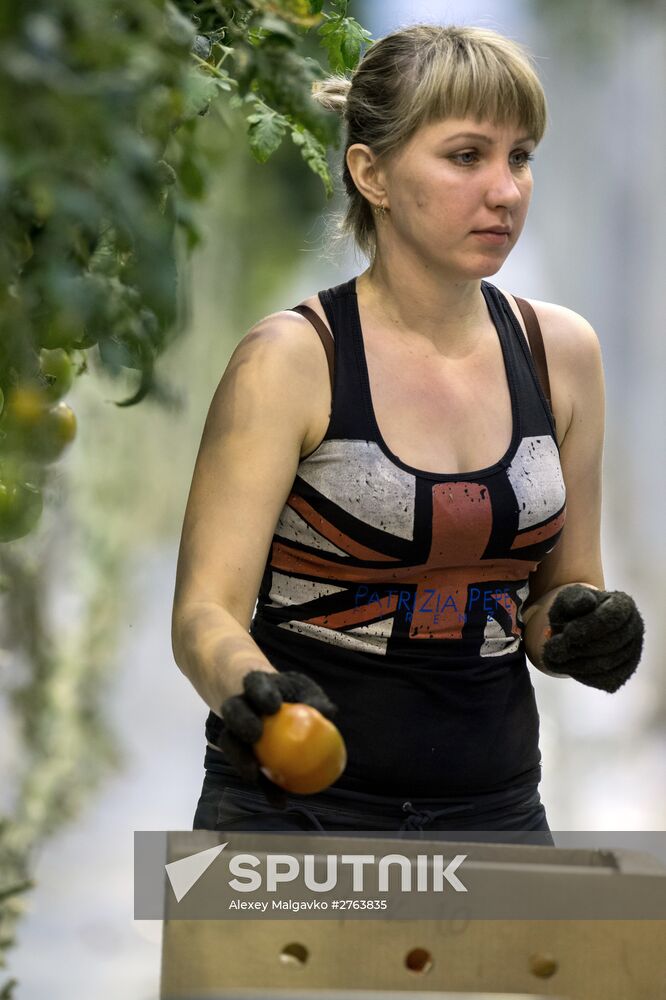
x=292, y=340
x=573, y=353
x=268, y=376
x=567, y=335
x=283, y=336
x=279, y=368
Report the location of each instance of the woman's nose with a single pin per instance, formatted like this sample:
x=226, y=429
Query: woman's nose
x=503, y=188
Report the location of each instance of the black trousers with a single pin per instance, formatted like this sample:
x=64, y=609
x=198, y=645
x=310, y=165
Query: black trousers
x=227, y=803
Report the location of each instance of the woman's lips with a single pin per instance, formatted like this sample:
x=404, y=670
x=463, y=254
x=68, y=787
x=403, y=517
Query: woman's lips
x=499, y=239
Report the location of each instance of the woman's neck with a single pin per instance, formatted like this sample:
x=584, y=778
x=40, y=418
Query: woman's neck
x=449, y=314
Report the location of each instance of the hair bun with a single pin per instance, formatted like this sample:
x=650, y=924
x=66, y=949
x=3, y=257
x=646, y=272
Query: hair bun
x=331, y=93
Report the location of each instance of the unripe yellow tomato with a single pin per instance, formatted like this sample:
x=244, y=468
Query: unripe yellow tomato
x=24, y=408
x=33, y=428
x=56, y=431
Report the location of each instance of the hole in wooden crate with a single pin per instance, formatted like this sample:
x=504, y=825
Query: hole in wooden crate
x=418, y=960
x=294, y=954
x=543, y=965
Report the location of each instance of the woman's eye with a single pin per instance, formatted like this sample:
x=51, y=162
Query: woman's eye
x=458, y=157
x=526, y=157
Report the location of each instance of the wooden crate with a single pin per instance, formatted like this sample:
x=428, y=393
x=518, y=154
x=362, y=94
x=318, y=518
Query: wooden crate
x=591, y=959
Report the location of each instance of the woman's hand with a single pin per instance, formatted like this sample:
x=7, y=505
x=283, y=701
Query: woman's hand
x=596, y=636
x=242, y=715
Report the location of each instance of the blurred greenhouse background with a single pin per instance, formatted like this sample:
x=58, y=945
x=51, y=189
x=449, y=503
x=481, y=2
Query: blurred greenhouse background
x=594, y=241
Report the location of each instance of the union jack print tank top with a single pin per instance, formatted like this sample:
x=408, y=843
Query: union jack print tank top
x=400, y=590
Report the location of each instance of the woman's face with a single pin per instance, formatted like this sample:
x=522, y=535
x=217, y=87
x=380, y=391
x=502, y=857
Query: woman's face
x=443, y=186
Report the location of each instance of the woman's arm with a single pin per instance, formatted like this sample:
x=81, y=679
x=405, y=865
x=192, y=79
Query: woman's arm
x=577, y=556
x=252, y=441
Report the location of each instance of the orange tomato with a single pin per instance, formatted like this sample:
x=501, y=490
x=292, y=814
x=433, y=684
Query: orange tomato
x=300, y=750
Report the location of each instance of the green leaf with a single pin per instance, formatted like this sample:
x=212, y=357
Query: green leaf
x=199, y=90
x=224, y=82
x=273, y=25
x=334, y=52
x=192, y=174
x=343, y=38
x=186, y=220
x=8, y=989
x=144, y=387
x=314, y=154
x=266, y=130
x=352, y=42
x=116, y=355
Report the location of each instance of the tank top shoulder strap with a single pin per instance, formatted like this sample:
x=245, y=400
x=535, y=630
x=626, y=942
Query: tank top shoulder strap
x=534, y=337
x=528, y=359
x=349, y=410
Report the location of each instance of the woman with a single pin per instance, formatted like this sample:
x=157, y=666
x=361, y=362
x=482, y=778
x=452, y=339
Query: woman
x=397, y=590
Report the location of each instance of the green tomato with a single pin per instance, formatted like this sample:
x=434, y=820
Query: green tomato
x=56, y=373
x=55, y=432
x=20, y=509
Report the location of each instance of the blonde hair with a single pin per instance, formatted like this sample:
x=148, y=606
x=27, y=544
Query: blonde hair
x=420, y=74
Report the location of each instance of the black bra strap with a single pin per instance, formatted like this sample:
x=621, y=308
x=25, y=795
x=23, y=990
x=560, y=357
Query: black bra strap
x=535, y=339
x=325, y=334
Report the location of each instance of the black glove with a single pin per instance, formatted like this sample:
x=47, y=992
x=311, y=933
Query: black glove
x=597, y=636
x=263, y=693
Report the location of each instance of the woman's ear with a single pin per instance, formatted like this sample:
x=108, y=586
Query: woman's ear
x=366, y=173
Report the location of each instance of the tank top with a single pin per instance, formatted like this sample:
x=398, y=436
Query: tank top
x=400, y=590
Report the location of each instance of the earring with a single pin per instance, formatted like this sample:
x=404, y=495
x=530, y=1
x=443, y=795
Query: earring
x=380, y=210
